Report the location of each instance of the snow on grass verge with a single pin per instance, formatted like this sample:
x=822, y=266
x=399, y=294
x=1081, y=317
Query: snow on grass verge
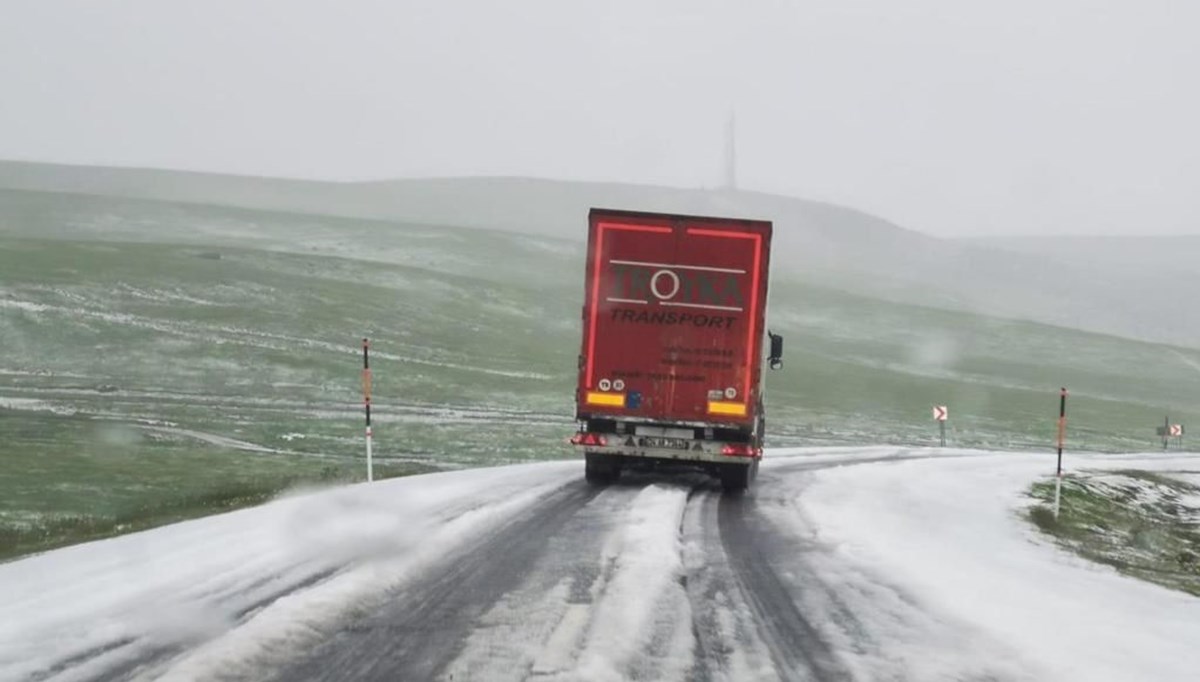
x=950, y=532
x=1142, y=523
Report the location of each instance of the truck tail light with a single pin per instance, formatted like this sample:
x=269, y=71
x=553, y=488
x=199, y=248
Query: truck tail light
x=739, y=450
x=588, y=439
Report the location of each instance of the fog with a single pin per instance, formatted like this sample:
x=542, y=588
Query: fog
x=1064, y=117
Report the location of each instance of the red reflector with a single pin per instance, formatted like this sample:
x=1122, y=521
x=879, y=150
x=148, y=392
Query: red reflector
x=739, y=450
x=588, y=439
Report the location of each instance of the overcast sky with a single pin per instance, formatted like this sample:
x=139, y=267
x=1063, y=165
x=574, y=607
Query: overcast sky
x=951, y=117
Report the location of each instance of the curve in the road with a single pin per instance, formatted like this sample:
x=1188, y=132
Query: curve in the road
x=656, y=577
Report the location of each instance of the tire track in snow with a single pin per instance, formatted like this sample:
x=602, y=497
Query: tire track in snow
x=536, y=629
x=795, y=644
x=653, y=578
x=749, y=624
x=377, y=555
x=606, y=601
x=640, y=625
x=751, y=587
x=877, y=629
x=419, y=631
x=728, y=646
x=597, y=589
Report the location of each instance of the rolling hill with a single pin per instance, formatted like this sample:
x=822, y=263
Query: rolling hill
x=168, y=358
x=818, y=243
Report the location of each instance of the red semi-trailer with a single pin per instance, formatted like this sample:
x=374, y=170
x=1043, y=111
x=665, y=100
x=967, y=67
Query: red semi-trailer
x=670, y=370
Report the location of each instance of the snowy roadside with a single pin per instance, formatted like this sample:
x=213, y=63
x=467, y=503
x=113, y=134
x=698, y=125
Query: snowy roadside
x=949, y=532
x=917, y=559
x=232, y=586
x=102, y=604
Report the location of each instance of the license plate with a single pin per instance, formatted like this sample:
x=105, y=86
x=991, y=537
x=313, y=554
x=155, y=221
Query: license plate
x=669, y=443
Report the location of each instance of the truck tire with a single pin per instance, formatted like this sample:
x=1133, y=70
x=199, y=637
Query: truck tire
x=736, y=478
x=600, y=469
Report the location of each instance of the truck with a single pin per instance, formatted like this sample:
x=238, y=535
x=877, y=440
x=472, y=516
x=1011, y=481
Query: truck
x=671, y=361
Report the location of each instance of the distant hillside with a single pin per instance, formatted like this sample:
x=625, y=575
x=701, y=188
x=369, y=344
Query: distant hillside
x=1171, y=255
x=243, y=325
x=517, y=204
x=816, y=242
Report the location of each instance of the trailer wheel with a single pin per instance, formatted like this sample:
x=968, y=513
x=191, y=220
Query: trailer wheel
x=736, y=478
x=600, y=469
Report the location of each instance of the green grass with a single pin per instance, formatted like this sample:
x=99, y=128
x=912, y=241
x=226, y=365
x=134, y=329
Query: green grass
x=1144, y=524
x=878, y=367
x=146, y=349
x=26, y=536
x=68, y=479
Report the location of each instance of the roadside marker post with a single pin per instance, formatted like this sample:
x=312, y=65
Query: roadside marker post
x=1062, y=434
x=940, y=414
x=366, y=382
x=1168, y=431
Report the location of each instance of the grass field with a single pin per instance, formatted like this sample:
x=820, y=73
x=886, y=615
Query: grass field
x=71, y=478
x=1144, y=524
x=165, y=360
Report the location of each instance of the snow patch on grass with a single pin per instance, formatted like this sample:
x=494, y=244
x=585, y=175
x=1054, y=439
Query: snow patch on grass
x=1142, y=523
x=35, y=405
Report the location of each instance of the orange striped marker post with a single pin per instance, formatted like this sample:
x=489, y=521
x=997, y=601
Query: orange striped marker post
x=366, y=382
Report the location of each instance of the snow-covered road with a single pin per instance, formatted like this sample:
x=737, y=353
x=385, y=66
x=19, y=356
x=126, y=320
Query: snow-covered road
x=856, y=563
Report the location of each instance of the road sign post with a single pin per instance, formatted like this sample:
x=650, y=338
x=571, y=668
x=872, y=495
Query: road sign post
x=940, y=414
x=1062, y=434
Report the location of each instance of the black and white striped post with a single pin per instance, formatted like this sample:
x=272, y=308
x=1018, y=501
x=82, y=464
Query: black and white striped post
x=1062, y=434
x=366, y=381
